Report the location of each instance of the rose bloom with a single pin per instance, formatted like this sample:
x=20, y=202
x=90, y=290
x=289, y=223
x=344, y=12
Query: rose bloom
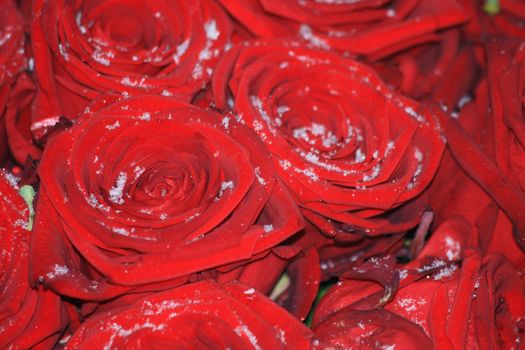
x=372, y=28
x=139, y=194
x=85, y=48
x=12, y=60
x=28, y=318
x=354, y=153
x=487, y=139
x=197, y=316
x=450, y=294
x=490, y=225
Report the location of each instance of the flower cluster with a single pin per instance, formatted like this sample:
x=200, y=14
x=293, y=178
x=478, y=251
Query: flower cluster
x=262, y=174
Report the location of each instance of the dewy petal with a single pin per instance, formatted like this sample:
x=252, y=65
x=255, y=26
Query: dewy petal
x=199, y=314
x=84, y=49
x=374, y=28
x=346, y=160
x=12, y=61
x=455, y=296
x=28, y=317
x=152, y=190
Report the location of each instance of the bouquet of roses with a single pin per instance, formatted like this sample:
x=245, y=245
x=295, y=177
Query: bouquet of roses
x=262, y=174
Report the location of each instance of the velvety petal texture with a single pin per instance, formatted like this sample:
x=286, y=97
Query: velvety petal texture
x=449, y=294
x=488, y=139
x=12, y=54
x=202, y=315
x=12, y=60
x=17, y=118
x=149, y=190
x=262, y=174
x=28, y=318
x=83, y=49
x=350, y=150
x=372, y=28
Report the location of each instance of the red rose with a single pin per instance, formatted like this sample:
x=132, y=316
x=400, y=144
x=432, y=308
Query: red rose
x=489, y=124
x=460, y=299
x=18, y=120
x=199, y=315
x=351, y=150
x=491, y=229
x=374, y=28
x=141, y=193
x=85, y=48
x=487, y=140
x=28, y=318
x=12, y=59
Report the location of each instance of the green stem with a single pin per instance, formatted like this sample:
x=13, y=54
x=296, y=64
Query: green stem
x=28, y=193
x=323, y=289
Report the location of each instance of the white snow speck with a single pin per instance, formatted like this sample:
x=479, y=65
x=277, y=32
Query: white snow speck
x=58, y=270
x=116, y=192
x=268, y=228
x=453, y=248
x=243, y=329
x=145, y=116
x=113, y=126
x=445, y=272
x=212, y=33
x=375, y=173
x=307, y=34
x=181, y=50
x=121, y=231
x=411, y=304
x=44, y=123
x=261, y=180
x=12, y=179
x=226, y=122
x=225, y=186
x=190, y=218
x=359, y=156
x=285, y=164
x=138, y=171
x=103, y=57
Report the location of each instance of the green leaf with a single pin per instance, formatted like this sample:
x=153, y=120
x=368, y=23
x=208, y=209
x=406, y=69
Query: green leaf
x=323, y=289
x=28, y=193
x=280, y=286
x=491, y=7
